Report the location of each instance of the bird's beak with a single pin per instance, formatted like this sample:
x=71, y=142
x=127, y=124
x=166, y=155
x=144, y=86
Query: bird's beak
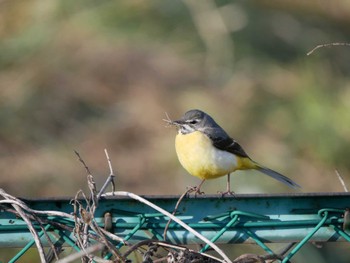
x=177, y=123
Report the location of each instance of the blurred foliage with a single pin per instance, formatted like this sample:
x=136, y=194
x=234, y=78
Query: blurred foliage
x=89, y=75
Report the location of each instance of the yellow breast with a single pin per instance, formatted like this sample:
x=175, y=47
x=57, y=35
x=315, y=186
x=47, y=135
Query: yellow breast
x=200, y=158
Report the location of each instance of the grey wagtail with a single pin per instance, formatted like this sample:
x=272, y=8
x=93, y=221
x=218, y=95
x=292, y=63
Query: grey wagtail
x=205, y=150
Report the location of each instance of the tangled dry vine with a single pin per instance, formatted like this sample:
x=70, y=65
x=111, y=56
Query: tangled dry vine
x=98, y=243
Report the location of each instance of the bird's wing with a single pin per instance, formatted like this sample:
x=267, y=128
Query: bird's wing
x=230, y=145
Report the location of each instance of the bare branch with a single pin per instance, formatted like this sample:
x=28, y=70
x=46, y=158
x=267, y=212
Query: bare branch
x=104, y=240
x=168, y=121
x=110, y=178
x=326, y=45
x=82, y=161
x=341, y=181
x=109, y=162
x=174, y=218
x=175, y=210
x=18, y=206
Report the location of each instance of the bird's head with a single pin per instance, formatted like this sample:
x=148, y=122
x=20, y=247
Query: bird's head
x=194, y=120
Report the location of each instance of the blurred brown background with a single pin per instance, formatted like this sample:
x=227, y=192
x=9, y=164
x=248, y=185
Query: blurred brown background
x=89, y=75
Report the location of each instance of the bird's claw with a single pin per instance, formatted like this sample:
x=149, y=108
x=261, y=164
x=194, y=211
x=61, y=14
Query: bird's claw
x=194, y=189
x=229, y=193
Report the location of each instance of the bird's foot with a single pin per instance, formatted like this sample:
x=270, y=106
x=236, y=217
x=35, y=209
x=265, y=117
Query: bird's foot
x=228, y=193
x=194, y=189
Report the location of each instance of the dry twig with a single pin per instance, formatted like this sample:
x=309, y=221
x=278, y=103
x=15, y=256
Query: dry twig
x=20, y=206
x=174, y=218
x=83, y=219
x=87, y=214
x=175, y=210
x=110, y=178
x=326, y=45
x=341, y=181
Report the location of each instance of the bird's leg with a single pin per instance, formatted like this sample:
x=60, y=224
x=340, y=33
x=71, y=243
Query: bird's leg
x=196, y=189
x=228, y=187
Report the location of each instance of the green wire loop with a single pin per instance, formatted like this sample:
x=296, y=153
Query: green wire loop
x=323, y=213
x=234, y=215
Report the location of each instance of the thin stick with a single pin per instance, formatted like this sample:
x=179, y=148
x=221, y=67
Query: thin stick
x=34, y=217
x=78, y=224
x=113, y=236
x=341, y=180
x=32, y=231
x=86, y=215
x=82, y=161
x=110, y=178
x=174, y=212
x=109, y=162
x=167, y=118
x=20, y=208
x=326, y=45
x=43, y=229
x=104, y=240
x=137, y=245
x=41, y=212
x=168, y=121
x=93, y=193
x=174, y=218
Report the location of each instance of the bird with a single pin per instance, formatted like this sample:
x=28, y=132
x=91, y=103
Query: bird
x=206, y=151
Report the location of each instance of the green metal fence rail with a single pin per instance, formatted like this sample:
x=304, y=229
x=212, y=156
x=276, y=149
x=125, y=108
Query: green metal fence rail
x=258, y=219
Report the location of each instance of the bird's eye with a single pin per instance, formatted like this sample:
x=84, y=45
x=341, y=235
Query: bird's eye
x=193, y=121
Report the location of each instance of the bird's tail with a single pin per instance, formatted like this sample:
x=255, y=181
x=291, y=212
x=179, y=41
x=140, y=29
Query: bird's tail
x=284, y=179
